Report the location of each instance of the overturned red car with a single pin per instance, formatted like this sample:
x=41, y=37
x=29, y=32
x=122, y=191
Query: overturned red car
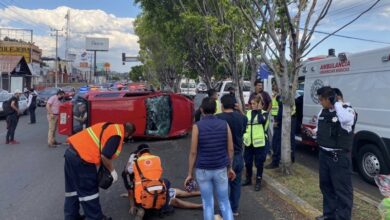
x=155, y=114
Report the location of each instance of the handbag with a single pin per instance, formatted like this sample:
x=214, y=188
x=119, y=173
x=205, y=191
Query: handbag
x=104, y=176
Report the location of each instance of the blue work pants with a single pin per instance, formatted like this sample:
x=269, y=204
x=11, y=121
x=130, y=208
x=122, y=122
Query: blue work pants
x=277, y=142
x=81, y=186
x=258, y=154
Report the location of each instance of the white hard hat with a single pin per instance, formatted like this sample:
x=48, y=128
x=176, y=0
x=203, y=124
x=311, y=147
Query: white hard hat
x=17, y=91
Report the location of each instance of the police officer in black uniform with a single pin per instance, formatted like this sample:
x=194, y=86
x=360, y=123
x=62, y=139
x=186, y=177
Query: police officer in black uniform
x=334, y=137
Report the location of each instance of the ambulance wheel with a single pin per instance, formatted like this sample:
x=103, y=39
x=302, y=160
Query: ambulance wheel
x=371, y=162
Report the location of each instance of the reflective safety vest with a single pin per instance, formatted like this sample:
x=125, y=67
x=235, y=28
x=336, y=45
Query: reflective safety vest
x=255, y=133
x=218, y=107
x=275, y=106
x=86, y=142
x=293, y=109
x=150, y=166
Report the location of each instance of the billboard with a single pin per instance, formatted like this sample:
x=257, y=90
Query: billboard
x=98, y=44
x=16, y=51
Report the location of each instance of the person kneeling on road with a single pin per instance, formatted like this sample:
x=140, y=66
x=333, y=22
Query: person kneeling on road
x=150, y=165
x=95, y=146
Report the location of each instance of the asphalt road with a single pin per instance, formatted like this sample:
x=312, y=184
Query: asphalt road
x=309, y=158
x=32, y=177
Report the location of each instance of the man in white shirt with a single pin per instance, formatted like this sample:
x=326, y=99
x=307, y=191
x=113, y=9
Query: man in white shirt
x=334, y=136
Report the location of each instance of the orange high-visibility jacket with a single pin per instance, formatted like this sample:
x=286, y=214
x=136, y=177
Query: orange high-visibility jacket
x=150, y=166
x=86, y=142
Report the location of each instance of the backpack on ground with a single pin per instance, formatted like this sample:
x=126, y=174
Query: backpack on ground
x=154, y=192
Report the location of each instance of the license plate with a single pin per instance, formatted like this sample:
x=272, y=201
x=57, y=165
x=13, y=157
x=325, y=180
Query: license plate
x=63, y=118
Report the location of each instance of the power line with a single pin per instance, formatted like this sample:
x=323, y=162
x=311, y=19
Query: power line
x=27, y=21
x=342, y=27
x=349, y=37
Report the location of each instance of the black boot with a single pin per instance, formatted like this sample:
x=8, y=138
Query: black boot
x=248, y=182
x=258, y=184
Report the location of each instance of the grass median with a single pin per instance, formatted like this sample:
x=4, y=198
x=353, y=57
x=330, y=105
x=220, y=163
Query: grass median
x=304, y=183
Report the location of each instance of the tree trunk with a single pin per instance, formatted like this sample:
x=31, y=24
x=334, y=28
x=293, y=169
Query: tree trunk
x=286, y=145
x=286, y=122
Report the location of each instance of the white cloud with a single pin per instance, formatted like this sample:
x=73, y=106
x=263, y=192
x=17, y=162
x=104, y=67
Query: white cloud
x=83, y=23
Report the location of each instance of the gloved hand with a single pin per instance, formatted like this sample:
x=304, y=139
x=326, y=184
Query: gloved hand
x=114, y=175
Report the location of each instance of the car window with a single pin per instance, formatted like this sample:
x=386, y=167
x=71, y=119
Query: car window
x=158, y=115
x=4, y=97
x=227, y=86
x=22, y=98
x=246, y=87
x=218, y=86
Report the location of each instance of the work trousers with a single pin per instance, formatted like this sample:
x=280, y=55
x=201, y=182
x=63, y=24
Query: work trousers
x=81, y=186
x=277, y=142
x=12, y=122
x=51, y=136
x=258, y=154
x=31, y=110
x=336, y=185
x=235, y=185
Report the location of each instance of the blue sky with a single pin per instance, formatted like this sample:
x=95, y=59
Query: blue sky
x=113, y=19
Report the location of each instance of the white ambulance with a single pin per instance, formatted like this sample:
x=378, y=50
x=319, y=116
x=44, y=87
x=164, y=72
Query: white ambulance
x=364, y=79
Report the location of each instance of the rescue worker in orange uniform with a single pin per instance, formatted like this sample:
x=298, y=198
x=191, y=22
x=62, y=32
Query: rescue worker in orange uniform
x=100, y=143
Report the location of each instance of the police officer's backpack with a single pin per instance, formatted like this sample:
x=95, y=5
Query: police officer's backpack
x=7, y=107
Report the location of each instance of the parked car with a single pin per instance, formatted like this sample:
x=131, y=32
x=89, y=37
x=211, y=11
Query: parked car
x=223, y=88
x=201, y=87
x=44, y=95
x=188, y=87
x=69, y=92
x=22, y=103
x=155, y=114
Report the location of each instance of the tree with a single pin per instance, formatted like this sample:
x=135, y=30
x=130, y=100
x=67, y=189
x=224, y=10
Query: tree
x=282, y=31
x=136, y=73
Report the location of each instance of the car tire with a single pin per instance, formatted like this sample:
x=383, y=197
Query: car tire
x=25, y=112
x=371, y=162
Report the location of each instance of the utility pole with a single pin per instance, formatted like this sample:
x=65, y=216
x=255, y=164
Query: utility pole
x=56, y=58
x=67, y=17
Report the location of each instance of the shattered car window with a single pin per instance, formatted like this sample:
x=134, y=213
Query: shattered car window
x=158, y=115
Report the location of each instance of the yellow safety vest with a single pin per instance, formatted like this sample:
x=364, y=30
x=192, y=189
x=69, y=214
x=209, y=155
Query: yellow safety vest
x=218, y=107
x=255, y=133
x=275, y=106
x=293, y=109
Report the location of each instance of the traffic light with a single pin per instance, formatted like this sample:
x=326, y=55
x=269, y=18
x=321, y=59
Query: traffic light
x=123, y=58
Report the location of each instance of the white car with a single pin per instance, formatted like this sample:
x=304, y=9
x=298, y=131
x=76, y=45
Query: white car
x=223, y=88
x=22, y=102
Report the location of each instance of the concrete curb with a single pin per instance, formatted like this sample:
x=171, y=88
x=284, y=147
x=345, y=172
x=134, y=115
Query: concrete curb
x=285, y=194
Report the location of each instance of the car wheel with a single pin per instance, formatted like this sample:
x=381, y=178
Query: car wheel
x=25, y=112
x=371, y=162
